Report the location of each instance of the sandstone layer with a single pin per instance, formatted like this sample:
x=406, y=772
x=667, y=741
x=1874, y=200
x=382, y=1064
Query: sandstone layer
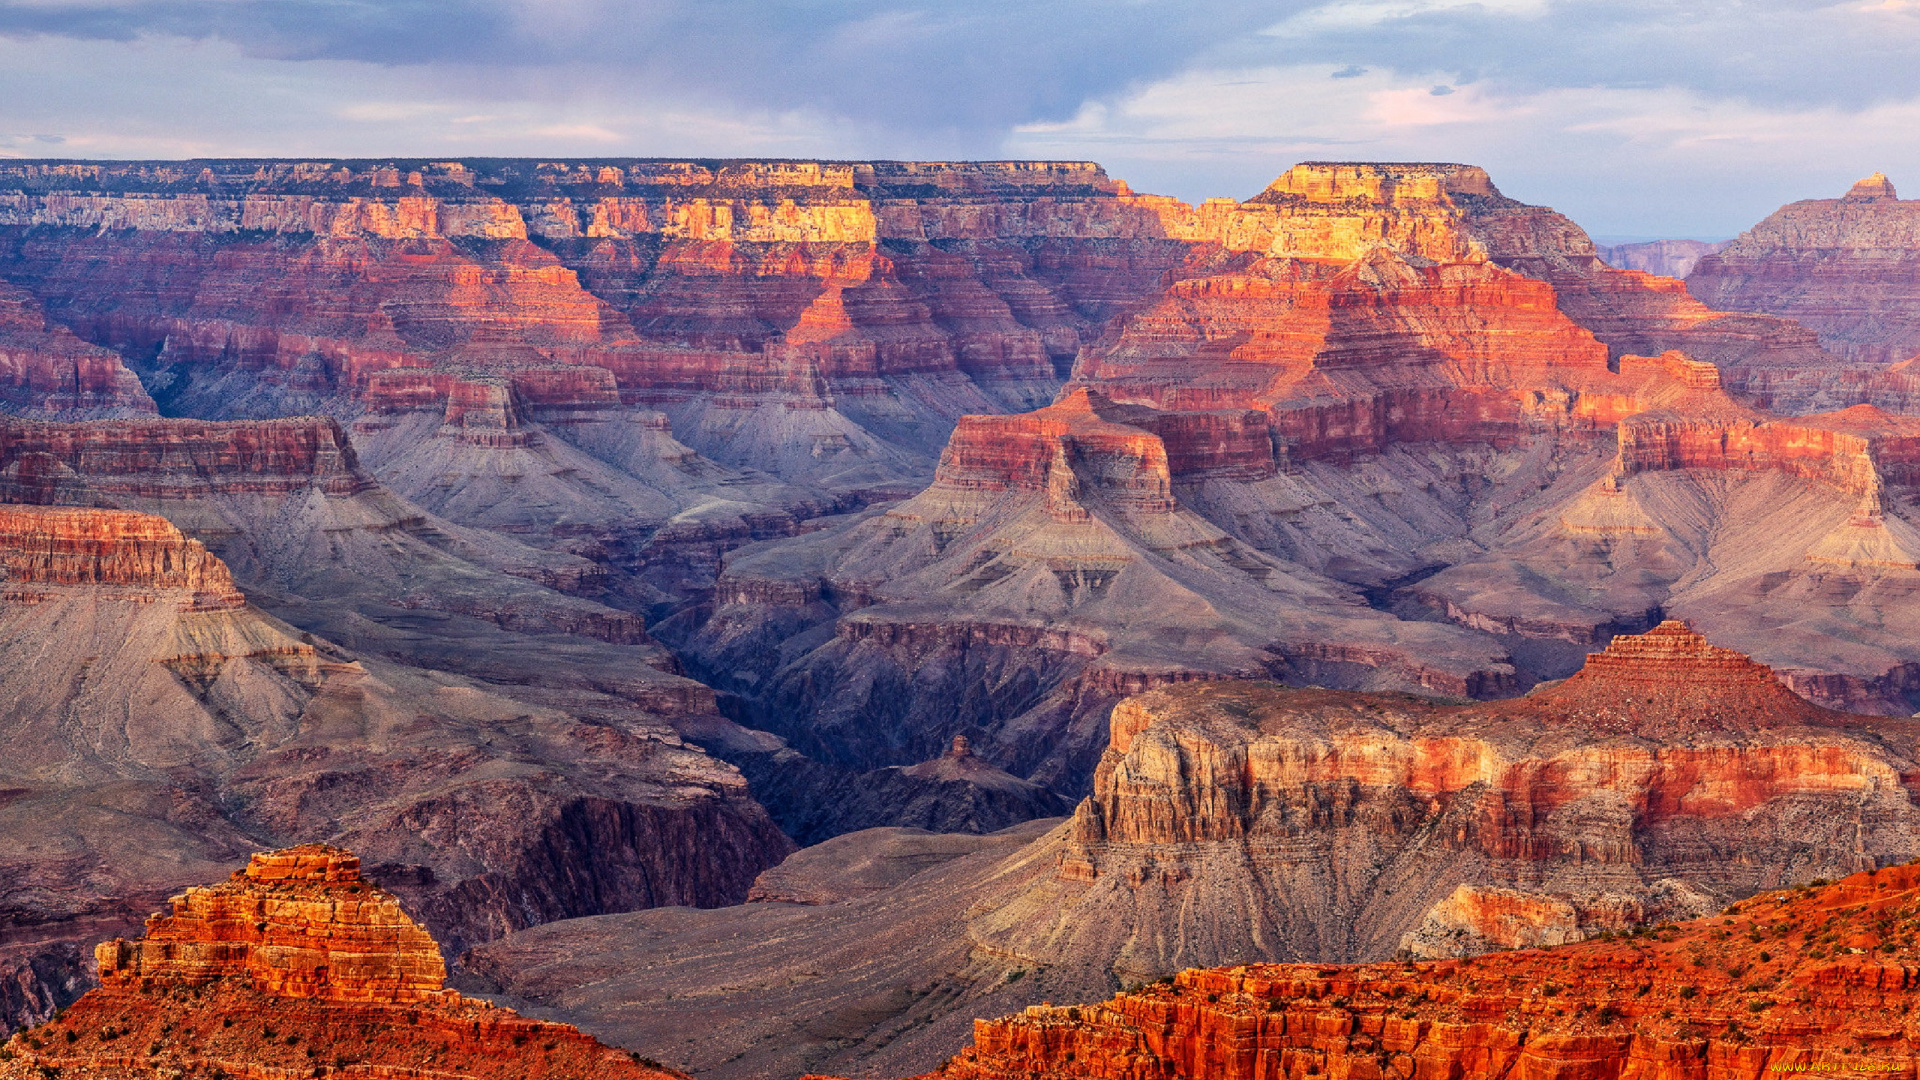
x=1848, y=268
x=296, y=966
x=1234, y=822
x=156, y=725
x=1816, y=980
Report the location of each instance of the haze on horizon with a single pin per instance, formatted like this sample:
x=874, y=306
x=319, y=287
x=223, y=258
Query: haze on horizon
x=1636, y=117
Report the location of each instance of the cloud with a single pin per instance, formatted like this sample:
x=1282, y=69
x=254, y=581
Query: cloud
x=1641, y=111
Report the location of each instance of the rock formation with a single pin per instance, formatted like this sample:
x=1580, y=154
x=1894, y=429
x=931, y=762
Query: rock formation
x=287, y=504
x=50, y=546
x=156, y=724
x=1366, y=376
x=1786, y=538
x=1843, y=267
x=1233, y=819
x=297, y=965
x=1805, y=980
x=1233, y=822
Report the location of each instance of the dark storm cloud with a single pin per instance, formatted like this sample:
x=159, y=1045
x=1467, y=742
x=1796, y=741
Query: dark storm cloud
x=981, y=64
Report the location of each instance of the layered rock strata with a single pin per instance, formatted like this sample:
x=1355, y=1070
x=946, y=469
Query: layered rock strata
x=1240, y=820
x=54, y=546
x=1361, y=377
x=1790, y=538
x=287, y=503
x=825, y=320
x=1806, y=980
x=296, y=965
x=1050, y=570
x=1844, y=267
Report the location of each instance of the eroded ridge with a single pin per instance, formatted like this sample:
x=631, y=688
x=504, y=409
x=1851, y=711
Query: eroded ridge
x=1811, y=980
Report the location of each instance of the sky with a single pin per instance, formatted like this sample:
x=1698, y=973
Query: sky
x=1635, y=117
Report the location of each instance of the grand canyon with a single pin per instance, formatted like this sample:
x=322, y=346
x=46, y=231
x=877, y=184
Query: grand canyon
x=755, y=618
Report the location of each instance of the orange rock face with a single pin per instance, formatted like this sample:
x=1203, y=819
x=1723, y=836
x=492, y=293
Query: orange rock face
x=1811, y=980
x=297, y=963
x=1236, y=820
x=298, y=923
x=53, y=546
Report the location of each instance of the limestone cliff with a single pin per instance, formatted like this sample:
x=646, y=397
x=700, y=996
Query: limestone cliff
x=1843, y=267
x=296, y=964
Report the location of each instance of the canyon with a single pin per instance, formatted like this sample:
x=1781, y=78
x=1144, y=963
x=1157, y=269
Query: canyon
x=1232, y=822
x=574, y=540
x=295, y=965
x=1384, y=429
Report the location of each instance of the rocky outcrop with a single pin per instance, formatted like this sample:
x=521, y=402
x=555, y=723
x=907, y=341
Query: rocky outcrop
x=1235, y=823
x=296, y=964
x=298, y=923
x=1661, y=258
x=824, y=321
x=1843, y=267
x=1798, y=980
x=287, y=504
x=1234, y=820
x=51, y=546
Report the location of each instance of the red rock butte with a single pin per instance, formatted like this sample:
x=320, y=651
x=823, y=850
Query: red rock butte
x=1671, y=681
x=295, y=923
x=297, y=966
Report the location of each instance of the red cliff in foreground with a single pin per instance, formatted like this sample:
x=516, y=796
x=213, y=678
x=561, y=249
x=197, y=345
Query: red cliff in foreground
x=297, y=966
x=1812, y=980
